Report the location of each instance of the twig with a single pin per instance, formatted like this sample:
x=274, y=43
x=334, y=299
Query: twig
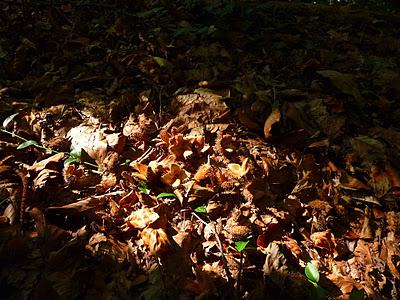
x=221, y=249
x=23, y=174
x=239, y=274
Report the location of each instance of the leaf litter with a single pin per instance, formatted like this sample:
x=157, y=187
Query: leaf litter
x=147, y=153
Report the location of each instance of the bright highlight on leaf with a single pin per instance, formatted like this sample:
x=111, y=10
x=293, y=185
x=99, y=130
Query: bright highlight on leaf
x=311, y=272
x=27, y=144
x=162, y=62
x=9, y=119
x=166, y=195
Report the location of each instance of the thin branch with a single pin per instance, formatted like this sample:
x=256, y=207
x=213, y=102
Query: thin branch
x=221, y=249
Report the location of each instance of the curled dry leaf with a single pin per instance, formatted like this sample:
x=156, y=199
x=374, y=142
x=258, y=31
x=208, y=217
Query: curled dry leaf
x=325, y=240
x=238, y=171
x=350, y=182
x=156, y=240
x=48, y=163
x=175, y=176
x=86, y=204
x=179, y=147
x=293, y=246
x=272, y=119
x=345, y=284
x=142, y=171
x=203, y=172
x=45, y=178
x=184, y=240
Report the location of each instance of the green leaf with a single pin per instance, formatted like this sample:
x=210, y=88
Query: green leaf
x=241, y=245
x=143, y=188
x=9, y=119
x=201, y=209
x=311, y=272
x=166, y=195
x=357, y=295
x=27, y=144
x=77, y=153
x=71, y=160
x=162, y=62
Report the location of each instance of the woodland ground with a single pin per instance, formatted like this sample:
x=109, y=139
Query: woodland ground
x=208, y=151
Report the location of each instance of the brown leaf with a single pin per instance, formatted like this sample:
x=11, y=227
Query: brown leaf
x=142, y=171
x=175, y=176
x=351, y=182
x=156, y=240
x=293, y=246
x=95, y=142
x=275, y=262
x=393, y=175
x=142, y=218
x=325, y=240
x=238, y=171
x=45, y=178
x=272, y=119
x=345, y=284
x=48, y=163
x=80, y=206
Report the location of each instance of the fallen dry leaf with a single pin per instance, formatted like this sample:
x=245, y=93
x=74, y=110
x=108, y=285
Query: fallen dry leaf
x=325, y=240
x=272, y=119
x=142, y=218
x=156, y=239
x=238, y=171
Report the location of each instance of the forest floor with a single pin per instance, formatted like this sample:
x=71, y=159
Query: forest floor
x=229, y=150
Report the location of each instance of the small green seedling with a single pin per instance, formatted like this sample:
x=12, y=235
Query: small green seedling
x=241, y=245
x=74, y=157
x=142, y=186
x=201, y=209
x=312, y=274
x=166, y=195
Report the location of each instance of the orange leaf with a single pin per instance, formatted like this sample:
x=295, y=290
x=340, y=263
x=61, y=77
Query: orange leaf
x=325, y=240
x=156, y=240
x=272, y=119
